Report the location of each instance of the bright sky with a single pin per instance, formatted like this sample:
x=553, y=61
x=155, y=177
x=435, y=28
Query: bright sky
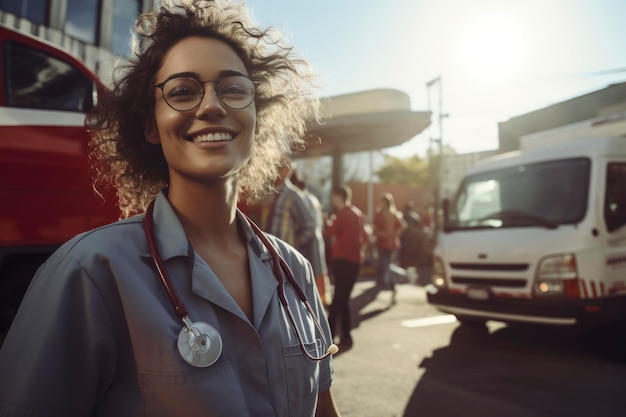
x=497, y=58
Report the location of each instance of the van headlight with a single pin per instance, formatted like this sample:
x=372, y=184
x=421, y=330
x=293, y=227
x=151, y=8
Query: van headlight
x=557, y=275
x=439, y=273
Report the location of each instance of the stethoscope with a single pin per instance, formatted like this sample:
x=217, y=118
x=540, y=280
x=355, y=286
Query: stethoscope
x=199, y=343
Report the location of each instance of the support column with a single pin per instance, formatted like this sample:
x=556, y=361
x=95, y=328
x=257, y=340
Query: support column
x=337, y=171
x=58, y=14
x=105, y=36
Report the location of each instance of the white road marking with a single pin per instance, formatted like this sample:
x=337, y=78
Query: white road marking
x=430, y=321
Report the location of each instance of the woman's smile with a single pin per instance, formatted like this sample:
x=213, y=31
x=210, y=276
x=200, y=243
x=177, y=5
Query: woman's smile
x=213, y=137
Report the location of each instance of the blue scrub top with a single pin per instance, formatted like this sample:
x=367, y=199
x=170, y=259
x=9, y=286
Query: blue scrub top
x=96, y=334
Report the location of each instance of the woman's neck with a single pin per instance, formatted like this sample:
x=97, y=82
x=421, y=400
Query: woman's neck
x=206, y=211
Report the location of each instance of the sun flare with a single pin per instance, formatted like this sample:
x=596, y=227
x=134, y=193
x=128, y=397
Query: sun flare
x=491, y=48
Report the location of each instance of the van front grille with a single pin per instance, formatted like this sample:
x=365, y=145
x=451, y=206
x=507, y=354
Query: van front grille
x=489, y=267
x=490, y=282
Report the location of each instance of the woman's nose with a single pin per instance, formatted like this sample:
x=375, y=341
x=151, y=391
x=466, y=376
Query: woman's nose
x=211, y=104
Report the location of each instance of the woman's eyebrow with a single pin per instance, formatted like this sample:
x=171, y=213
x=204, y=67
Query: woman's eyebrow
x=191, y=74
x=228, y=73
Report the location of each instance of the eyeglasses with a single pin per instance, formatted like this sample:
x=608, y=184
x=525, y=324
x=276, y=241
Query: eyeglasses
x=184, y=93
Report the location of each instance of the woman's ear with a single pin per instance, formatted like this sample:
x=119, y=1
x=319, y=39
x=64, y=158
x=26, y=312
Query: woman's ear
x=151, y=133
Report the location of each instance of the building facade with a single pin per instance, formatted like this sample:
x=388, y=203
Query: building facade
x=96, y=31
x=602, y=102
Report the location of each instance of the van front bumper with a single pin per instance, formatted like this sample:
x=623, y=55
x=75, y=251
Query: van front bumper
x=550, y=311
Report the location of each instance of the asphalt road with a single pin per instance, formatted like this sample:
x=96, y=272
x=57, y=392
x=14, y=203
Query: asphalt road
x=411, y=360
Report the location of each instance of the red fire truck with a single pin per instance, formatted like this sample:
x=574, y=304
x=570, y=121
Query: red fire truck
x=46, y=195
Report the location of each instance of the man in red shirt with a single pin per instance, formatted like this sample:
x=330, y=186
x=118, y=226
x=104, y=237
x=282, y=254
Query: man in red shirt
x=348, y=234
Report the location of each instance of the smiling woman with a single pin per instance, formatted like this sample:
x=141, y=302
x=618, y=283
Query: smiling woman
x=491, y=47
x=207, y=109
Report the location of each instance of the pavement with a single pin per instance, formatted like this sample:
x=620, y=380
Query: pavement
x=410, y=360
x=378, y=375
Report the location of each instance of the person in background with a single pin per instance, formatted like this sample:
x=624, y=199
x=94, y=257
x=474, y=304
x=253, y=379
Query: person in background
x=347, y=229
x=416, y=247
x=388, y=225
x=409, y=210
x=207, y=108
x=315, y=251
x=289, y=218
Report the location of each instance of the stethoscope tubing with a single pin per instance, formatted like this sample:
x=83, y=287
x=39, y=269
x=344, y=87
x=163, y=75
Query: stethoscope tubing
x=179, y=306
x=279, y=266
x=278, y=263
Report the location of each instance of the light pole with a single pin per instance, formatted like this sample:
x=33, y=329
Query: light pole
x=439, y=141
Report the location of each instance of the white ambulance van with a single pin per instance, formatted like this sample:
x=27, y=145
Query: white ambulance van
x=539, y=235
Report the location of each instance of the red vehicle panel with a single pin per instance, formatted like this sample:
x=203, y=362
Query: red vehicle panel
x=46, y=196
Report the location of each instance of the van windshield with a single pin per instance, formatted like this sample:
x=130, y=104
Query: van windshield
x=546, y=194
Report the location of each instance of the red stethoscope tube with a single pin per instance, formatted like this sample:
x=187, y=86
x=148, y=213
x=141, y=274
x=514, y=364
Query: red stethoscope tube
x=279, y=267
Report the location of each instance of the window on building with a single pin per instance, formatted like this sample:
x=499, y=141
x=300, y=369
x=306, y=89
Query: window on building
x=124, y=14
x=36, y=80
x=615, y=196
x=33, y=10
x=82, y=20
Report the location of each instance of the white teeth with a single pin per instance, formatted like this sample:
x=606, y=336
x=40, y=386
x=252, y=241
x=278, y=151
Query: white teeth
x=213, y=137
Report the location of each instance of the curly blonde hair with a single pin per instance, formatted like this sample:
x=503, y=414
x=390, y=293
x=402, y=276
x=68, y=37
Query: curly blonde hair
x=120, y=154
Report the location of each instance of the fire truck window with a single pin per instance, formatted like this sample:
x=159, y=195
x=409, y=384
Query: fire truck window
x=36, y=80
x=615, y=196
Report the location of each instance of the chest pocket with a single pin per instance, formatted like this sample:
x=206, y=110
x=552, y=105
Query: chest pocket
x=302, y=377
x=213, y=391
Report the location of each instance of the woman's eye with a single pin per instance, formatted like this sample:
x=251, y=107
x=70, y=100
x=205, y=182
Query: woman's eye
x=179, y=92
x=181, y=89
x=234, y=89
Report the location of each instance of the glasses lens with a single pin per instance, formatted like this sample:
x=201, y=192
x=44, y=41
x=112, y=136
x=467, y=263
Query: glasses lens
x=236, y=91
x=182, y=93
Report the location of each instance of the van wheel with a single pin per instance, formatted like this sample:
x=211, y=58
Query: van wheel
x=471, y=320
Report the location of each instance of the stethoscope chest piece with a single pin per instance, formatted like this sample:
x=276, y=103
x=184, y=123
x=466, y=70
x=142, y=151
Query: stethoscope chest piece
x=200, y=344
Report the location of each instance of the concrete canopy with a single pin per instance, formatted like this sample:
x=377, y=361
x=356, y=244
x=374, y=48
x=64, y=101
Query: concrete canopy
x=363, y=121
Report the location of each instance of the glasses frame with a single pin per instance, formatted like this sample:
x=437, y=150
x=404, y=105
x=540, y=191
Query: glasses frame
x=217, y=83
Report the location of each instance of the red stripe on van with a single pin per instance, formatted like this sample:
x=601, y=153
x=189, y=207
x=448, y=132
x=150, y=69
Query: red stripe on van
x=602, y=290
x=503, y=294
x=593, y=289
x=583, y=284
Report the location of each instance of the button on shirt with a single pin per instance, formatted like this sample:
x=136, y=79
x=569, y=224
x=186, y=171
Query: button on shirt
x=96, y=334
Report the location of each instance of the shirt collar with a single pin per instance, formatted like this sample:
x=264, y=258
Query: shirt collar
x=251, y=238
x=264, y=282
x=168, y=231
x=172, y=242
